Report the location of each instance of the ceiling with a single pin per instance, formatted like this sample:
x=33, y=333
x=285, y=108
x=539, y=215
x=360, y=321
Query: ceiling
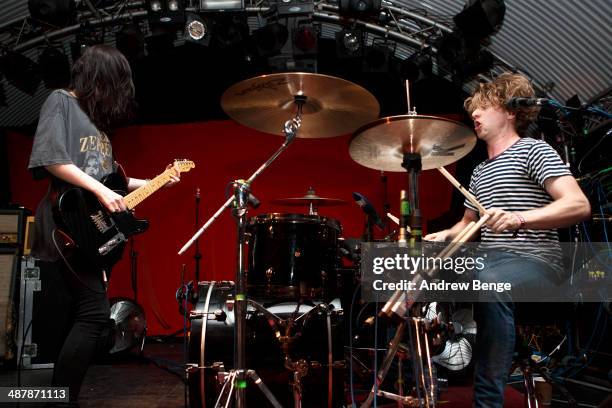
x=565, y=46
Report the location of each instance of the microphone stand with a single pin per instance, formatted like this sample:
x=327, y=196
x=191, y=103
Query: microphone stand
x=386, y=203
x=235, y=384
x=197, y=256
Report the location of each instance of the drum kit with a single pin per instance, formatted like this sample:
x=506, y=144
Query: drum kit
x=279, y=324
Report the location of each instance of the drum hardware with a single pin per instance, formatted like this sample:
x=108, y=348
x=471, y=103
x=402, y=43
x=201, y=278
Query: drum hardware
x=413, y=143
x=334, y=107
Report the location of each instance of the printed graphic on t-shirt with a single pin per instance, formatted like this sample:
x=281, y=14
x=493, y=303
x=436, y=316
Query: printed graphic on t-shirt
x=98, y=155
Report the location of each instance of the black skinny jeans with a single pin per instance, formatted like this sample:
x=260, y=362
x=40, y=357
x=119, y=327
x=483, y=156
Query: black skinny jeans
x=90, y=315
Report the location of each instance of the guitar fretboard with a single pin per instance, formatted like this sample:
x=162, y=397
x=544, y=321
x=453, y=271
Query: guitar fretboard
x=140, y=194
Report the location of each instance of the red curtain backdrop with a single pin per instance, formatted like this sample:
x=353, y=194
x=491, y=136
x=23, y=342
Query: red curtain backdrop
x=223, y=151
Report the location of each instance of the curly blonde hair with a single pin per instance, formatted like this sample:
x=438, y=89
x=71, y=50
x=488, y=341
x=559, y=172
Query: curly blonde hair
x=497, y=92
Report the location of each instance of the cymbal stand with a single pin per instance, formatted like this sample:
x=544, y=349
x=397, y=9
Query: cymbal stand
x=398, y=305
x=301, y=367
x=239, y=204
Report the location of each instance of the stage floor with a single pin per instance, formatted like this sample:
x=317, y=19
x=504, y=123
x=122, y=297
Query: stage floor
x=154, y=382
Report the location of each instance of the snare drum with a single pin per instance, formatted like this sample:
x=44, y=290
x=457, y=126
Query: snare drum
x=293, y=255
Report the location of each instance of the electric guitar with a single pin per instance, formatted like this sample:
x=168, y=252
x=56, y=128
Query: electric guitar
x=100, y=234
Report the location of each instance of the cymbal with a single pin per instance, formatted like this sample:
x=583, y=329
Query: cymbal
x=381, y=144
x=333, y=106
x=310, y=199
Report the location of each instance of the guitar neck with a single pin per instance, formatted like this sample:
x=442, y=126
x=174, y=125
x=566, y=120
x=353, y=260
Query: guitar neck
x=141, y=193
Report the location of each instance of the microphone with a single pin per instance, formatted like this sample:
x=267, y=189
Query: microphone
x=514, y=103
x=369, y=209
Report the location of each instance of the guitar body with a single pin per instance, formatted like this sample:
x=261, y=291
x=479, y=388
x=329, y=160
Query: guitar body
x=99, y=234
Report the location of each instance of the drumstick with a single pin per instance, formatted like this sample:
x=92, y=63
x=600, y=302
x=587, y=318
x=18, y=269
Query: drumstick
x=393, y=218
x=467, y=233
x=463, y=233
x=462, y=189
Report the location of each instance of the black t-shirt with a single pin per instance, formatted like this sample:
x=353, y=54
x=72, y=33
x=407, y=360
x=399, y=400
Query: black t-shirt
x=65, y=135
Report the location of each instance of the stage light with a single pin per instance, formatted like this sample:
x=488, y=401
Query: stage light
x=54, y=68
x=359, y=7
x=173, y=5
x=58, y=13
x=155, y=6
x=197, y=30
x=166, y=11
x=20, y=71
x=349, y=43
x=480, y=18
x=270, y=39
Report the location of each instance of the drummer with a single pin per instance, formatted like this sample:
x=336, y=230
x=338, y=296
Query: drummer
x=528, y=192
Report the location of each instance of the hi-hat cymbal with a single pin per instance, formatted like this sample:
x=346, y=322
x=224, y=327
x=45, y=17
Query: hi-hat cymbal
x=309, y=199
x=333, y=106
x=381, y=144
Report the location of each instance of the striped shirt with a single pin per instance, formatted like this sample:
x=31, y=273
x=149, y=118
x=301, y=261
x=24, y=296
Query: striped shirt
x=514, y=181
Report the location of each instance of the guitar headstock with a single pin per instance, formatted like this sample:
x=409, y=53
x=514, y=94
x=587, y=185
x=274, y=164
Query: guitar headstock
x=184, y=165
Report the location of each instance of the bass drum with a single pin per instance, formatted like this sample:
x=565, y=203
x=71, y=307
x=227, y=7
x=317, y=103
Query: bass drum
x=211, y=345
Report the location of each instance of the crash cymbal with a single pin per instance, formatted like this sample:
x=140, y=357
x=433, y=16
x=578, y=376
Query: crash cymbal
x=333, y=106
x=381, y=144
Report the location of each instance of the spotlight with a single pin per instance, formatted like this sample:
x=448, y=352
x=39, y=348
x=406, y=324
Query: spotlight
x=349, y=43
x=54, y=68
x=173, y=5
x=155, y=6
x=197, y=29
x=130, y=41
x=270, y=39
x=166, y=11
x=58, y=13
x=20, y=71
x=359, y=7
x=481, y=18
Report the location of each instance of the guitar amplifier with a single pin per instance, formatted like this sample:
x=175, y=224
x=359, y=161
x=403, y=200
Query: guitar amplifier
x=9, y=263
x=12, y=226
x=43, y=313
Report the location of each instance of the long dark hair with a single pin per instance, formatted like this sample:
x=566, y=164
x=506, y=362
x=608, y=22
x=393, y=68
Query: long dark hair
x=102, y=82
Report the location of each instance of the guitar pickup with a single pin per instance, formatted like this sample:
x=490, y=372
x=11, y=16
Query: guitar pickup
x=112, y=243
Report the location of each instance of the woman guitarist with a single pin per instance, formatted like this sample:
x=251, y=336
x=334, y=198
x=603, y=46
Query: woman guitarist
x=71, y=147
